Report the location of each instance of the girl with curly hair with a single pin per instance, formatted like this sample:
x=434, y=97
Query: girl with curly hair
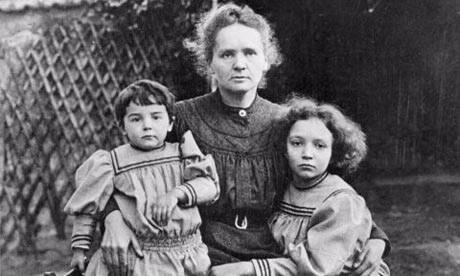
x=320, y=221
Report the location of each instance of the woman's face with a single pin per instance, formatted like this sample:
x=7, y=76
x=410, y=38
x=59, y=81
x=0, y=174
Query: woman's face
x=309, y=149
x=238, y=62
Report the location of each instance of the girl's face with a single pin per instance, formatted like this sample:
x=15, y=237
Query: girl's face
x=309, y=149
x=146, y=125
x=238, y=62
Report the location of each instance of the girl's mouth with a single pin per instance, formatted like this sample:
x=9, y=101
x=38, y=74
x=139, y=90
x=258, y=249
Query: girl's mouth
x=148, y=137
x=306, y=166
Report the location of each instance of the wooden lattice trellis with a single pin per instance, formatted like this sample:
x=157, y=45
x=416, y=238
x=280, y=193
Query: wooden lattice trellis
x=58, y=109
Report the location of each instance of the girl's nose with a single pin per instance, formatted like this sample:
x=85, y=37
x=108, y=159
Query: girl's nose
x=147, y=124
x=307, y=151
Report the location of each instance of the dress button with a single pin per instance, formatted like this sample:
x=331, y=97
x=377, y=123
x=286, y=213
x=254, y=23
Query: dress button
x=242, y=113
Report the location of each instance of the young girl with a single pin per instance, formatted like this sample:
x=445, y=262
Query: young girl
x=173, y=178
x=320, y=221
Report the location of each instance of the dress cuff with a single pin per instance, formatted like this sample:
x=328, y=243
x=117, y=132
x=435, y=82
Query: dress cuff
x=261, y=267
x=83, y=231
x=190, y=193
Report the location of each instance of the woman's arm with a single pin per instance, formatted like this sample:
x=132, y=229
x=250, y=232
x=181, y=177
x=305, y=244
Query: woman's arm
x=377, y=247
x=116, y=241
x=370, y=258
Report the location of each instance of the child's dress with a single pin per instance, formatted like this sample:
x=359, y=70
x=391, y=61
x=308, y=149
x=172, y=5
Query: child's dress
x=135, y=178
x=329, y=227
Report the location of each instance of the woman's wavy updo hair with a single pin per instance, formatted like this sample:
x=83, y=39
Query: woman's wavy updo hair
x=349, y=141
x=144, y=92
x=225, y=15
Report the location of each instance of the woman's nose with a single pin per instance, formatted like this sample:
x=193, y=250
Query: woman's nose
x=240, y=62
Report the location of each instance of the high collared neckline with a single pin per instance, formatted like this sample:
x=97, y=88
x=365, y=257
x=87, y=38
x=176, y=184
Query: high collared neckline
x=161, y=147
x=238, y=111
x=210, y=111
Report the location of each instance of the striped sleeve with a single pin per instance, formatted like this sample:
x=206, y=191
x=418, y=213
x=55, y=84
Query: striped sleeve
x=83, y=231
x=190, y=194
x=261, y=267
x=274, y=266
x=201, y=182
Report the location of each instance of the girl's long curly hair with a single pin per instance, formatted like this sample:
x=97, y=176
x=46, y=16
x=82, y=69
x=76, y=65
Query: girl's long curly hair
x=349, y=141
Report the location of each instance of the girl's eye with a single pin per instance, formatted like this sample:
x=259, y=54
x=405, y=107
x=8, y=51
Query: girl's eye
x=321, y=145
x=135, y=119
x=296, y=143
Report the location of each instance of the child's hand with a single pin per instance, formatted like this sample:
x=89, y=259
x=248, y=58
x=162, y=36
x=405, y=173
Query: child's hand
x=163, y=207
x=78, y=259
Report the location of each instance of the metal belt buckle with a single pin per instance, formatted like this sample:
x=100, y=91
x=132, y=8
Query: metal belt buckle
x=244, y=222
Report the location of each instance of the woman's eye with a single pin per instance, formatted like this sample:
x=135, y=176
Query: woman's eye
x=226, y=55
x=250, y=52
x=135, y=119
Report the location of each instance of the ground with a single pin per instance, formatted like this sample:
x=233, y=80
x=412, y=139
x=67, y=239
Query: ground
x=421, y=220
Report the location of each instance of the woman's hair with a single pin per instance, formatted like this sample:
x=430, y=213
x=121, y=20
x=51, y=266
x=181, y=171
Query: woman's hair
x=225, y=15
x=144, y=92
x=349, y=141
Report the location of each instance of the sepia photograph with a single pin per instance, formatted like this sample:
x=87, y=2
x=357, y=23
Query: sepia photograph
x=244, y=137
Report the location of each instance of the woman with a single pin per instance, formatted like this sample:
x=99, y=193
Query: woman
x=236, y=47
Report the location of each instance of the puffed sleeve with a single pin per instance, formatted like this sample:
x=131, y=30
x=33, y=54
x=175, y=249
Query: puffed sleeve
x=339, y=229
x=201, y=183
x=94, y=180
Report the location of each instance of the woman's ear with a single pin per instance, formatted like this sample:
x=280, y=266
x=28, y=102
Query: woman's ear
x=265, y=66
x=210, y=70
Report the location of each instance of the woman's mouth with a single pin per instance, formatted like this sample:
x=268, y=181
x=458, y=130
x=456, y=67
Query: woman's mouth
x=240, y=78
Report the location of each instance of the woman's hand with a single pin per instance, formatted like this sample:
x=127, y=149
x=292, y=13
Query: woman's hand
x=115, y=244
x=78, y=259
x=240, y=269
x=164, y=205
x=370, y=258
